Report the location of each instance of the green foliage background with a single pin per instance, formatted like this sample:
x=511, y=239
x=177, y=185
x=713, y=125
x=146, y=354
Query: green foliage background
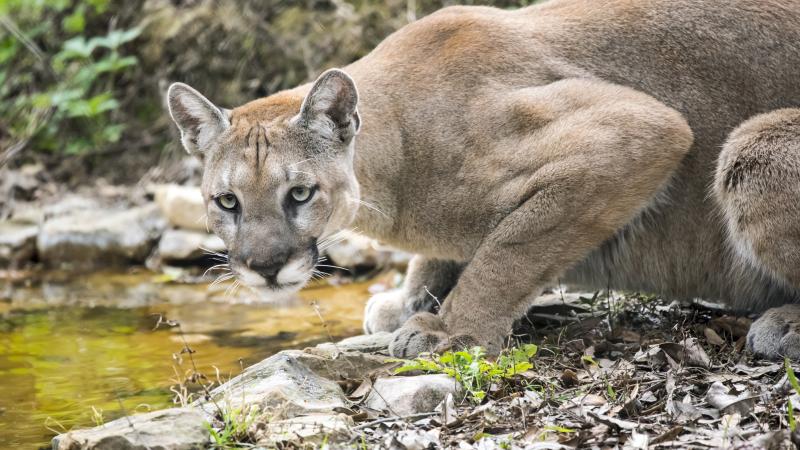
x=86, y=77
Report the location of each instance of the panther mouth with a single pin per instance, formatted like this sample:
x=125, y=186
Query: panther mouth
x=291, y=278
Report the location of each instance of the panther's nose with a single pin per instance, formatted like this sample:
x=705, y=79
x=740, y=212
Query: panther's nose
x=269, y=267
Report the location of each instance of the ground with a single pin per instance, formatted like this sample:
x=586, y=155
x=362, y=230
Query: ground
x=625, y=371
x=611, y=371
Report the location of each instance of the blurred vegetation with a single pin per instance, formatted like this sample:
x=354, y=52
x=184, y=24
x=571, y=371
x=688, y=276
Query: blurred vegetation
x=86, y=78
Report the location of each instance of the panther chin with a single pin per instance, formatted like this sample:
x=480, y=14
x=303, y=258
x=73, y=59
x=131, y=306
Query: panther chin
x=289, y=280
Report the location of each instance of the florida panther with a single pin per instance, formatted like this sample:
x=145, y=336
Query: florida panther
x=650, y=145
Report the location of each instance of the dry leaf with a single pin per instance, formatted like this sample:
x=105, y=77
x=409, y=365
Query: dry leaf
x=688, y=352
x=618, y=424
x=718, y=397
x=712, y=337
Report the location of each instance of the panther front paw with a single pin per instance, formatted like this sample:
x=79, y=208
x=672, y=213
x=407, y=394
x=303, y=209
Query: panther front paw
x=776, y=334
x=385, y=311
x=423, y=332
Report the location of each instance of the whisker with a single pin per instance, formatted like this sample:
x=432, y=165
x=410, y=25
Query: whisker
x=217, y=267
x=328, y=245
x=332, y=240
x=319, y=275
x=228, y=292
x=221, y=278
x=370, y=206
x=333, y=267
x=213, y=253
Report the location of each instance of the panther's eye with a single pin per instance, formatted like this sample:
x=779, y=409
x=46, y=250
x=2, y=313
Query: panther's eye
x=227, y=202
x=301, y=194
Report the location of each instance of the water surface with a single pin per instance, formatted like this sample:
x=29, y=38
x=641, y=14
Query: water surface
x=69, y=344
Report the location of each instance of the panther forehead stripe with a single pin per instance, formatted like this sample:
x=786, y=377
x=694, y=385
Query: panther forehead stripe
x=257, y=143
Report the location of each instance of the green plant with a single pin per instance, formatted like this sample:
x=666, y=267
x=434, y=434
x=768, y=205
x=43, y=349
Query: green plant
x=612, y=394
x=97, y=416
x=473, y=370
x=59, y=78
x=234, y=429
x=796, y=386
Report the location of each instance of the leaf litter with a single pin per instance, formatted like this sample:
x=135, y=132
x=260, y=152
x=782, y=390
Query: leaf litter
x=611, y=372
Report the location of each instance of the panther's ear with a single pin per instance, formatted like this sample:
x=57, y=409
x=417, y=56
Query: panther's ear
x=330, y=108
x=198, y=119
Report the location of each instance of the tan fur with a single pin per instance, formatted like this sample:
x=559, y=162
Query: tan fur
x=573, y=140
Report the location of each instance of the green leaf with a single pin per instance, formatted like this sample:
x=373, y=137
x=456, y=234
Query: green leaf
x=60, y=99
x=790, y=415
x=100, y=6
x=790, y=375
x=558, y=429
x=76, y=48
x=8, y=49
x=612, y=394
x=112, y=133
x=116, y=38
x=530, y=350
x=113, y=63
x=75, y=23
x=78, y=146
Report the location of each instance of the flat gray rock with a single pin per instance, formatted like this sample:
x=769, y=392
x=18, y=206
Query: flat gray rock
x=168, y=429
x=293, y=382
x=99, y=237
x=281, y=384
x=367, y=343
x=405, y=396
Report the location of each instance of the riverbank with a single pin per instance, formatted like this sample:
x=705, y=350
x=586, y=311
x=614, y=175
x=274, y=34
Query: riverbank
x=85, y=274
x=604, y=373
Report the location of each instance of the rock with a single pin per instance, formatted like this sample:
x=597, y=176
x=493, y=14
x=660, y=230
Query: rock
x=405, y=396
x=365, y=344
x=314, y=428
x=281, y=385
x=168, y=429
x=99, y=237
x=294, y=382
x=183, y=206
x=358, y=251
x=413, y=439
x=70, y=204
x=187, y=245
x=21, y=184
x=17, y=243
x=368, y=343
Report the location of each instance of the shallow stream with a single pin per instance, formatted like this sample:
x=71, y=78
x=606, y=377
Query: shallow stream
x=76, y=351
